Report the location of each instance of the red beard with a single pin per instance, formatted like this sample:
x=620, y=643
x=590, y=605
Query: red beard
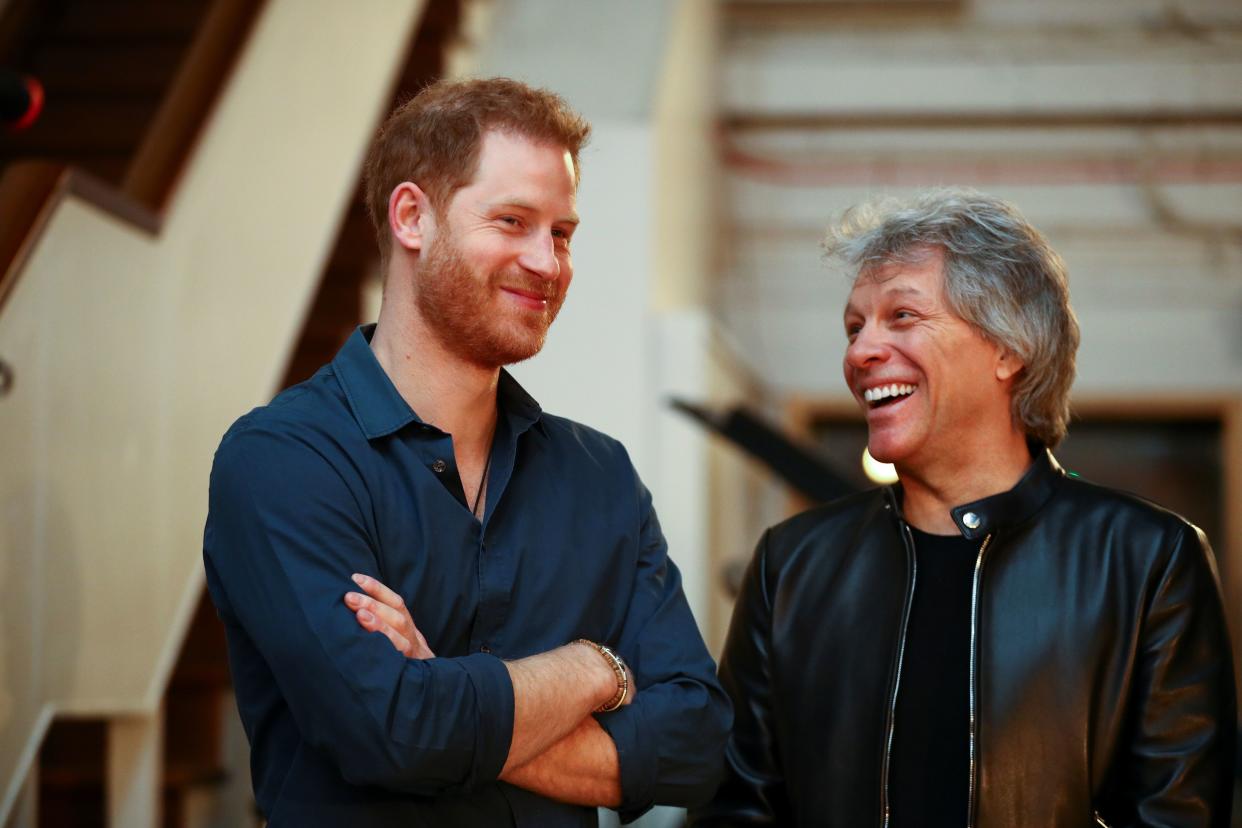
x=467, y=313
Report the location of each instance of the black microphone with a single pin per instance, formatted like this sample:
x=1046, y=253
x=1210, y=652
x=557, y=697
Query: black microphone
x=21, y=100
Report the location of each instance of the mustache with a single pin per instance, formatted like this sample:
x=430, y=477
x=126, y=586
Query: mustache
x=535, y=286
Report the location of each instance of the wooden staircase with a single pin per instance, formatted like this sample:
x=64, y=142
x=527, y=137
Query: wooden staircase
x=72, y=760
x=108, y=70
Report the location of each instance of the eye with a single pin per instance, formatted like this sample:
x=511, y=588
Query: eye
x=512, y=221
x=903, y=314
x=562, y=235
x=852, y=330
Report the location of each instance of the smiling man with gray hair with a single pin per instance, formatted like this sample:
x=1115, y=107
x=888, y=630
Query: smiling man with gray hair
x=988, y=642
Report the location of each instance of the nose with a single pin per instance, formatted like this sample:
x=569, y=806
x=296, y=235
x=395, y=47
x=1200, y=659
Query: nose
x=866, y=350
x=539, y=256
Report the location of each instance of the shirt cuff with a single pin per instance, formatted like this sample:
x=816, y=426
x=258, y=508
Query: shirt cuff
x=636, y=756
x=493, y=692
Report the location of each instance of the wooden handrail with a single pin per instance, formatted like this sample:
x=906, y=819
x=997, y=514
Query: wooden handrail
x=170, y=139
x=27, y=193
x=31, y=190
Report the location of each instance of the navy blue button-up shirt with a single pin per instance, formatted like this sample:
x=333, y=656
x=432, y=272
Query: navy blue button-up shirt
x=338, y=475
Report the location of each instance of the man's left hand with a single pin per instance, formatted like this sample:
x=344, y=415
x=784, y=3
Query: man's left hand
x=382, y=610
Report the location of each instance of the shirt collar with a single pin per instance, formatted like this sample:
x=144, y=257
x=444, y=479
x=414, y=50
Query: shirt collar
x=979, y=518
x=516, y=404
x=380, y=409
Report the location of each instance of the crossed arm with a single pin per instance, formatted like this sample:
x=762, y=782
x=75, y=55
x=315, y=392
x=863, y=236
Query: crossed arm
x=432, y=726
x=558, y=749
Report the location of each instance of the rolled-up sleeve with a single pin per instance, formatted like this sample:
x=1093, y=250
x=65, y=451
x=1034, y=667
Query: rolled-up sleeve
x=670, y=740
x=284, y=533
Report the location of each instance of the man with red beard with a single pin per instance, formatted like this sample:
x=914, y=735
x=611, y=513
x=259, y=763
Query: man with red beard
x=989, y=642
x=554, y=666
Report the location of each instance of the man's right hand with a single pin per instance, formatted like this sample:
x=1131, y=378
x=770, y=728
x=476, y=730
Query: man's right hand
x=382, y=610
x=555, y=751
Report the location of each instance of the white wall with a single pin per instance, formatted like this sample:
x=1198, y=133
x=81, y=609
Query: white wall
x=633, y=330
x=1115, y=126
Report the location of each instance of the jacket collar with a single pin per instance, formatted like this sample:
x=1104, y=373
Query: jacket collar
x=380, y=409
x=1002, y=511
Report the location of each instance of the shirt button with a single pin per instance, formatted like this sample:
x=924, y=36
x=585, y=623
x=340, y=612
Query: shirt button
x=439, y=466
x=485, y=649
x=970, y=520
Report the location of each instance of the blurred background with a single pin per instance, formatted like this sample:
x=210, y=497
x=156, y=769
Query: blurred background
x=181, y=236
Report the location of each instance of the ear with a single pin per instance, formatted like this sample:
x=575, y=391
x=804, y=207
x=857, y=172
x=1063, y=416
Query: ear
x=1008, y=365
x=409, y=216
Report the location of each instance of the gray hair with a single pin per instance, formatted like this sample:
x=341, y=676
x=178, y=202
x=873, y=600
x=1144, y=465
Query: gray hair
x=1001, y=277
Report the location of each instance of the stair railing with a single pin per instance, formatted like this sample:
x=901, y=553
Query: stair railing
x=135, y=324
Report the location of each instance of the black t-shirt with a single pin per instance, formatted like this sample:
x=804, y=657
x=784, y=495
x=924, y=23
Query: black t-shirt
x=929, y=774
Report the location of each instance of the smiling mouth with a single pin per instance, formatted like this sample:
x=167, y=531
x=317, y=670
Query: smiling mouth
x=887, y=394
x=526, y=297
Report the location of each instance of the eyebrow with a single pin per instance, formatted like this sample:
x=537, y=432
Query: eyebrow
x=519, y=204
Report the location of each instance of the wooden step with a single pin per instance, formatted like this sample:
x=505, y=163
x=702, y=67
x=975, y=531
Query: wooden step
x=71, y=762
x=71, y=774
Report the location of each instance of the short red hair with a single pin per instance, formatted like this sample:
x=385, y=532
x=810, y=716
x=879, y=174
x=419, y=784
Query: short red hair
x=434, y=139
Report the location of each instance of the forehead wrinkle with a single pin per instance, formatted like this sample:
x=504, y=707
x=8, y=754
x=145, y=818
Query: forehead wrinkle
x=899, y=290
x=904, y=290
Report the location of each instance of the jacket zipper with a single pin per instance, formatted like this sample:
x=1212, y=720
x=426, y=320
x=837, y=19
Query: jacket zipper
x=901, y=652
x=974, y=648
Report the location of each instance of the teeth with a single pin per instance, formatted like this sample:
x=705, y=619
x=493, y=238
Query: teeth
x=886, y=391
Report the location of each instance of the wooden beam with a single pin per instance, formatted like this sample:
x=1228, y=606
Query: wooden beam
x=205, y=71
x=1231, y=503
x=30, y=192
x=739, y=121
x=808, y=12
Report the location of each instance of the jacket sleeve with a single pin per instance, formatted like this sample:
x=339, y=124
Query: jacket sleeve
x=1183, y=722
x=284, y=533
x=670, y=738
x=753, y=792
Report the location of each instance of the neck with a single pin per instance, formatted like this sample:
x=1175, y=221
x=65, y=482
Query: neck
x=454, y=395
x=932, y=490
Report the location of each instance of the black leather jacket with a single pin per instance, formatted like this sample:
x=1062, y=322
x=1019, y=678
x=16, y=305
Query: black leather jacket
x=1101, y=675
